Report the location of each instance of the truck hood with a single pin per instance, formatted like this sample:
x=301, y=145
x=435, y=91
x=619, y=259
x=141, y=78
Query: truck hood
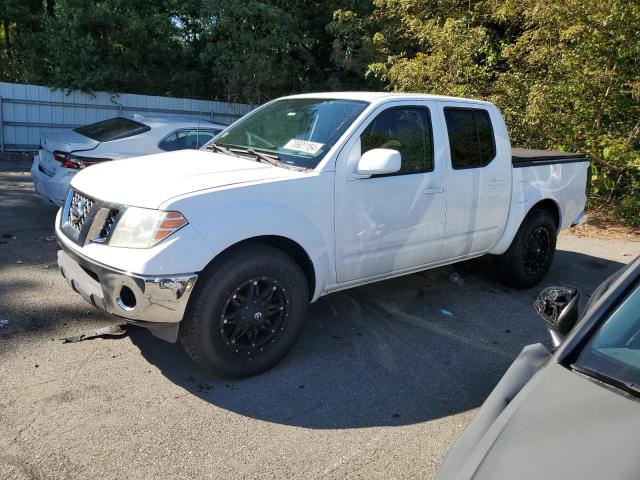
x=151, y=180
x=562, y=426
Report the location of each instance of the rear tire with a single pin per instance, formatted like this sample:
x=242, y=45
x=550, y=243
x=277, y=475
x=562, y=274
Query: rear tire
x=529, y=257
x=246, y=312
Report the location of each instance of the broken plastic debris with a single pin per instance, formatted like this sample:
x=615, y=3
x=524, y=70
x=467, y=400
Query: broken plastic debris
x=50, y=238
x=447, y=313
x=117, y=330
x=3, y=322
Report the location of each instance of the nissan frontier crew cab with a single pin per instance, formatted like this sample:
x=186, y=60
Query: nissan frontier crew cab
x=224, y=248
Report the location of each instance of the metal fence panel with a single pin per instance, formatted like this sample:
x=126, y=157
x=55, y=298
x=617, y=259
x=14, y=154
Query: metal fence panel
x=26, y=111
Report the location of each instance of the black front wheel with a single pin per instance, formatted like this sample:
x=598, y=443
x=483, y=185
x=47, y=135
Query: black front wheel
x=529, y=257
x=247, y=311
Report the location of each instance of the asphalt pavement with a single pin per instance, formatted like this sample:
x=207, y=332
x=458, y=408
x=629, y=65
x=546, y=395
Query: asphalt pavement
x=383, y=380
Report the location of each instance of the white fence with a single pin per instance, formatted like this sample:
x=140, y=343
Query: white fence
x=28, y=110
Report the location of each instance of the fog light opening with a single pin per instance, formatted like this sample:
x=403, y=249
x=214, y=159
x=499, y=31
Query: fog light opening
x=127, y=299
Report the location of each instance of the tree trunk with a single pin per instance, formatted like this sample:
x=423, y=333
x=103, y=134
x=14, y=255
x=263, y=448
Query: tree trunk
x=7, y=41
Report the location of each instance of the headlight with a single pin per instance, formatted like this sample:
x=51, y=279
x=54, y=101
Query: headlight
x=143, y=228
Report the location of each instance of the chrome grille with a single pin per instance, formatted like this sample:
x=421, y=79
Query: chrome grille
x=85, y=219
x=79, y=210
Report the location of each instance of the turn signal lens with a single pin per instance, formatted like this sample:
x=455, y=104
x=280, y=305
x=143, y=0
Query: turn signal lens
x=172, y=222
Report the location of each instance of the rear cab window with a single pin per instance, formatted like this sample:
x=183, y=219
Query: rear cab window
x=113, y=129
x=471, y=140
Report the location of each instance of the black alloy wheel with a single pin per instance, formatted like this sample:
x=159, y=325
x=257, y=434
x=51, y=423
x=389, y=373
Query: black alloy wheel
x=254, y=315
x=531, y=252
x=536, y=251
x=246, y=311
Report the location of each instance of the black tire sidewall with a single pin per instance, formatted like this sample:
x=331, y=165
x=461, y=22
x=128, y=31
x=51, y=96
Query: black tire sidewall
x=213, y=292
x=516, y=275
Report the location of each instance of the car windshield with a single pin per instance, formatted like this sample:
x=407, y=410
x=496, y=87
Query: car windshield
x=113, y=129
x=614, y=349
x=297, y=132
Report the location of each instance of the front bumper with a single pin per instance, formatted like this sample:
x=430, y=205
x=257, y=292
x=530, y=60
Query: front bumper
x=155, y=302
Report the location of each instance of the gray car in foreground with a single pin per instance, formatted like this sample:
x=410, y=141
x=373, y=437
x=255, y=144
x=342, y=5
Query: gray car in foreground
x=573, y=413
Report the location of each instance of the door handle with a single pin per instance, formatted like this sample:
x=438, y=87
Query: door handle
x=496, y=183
x=432, y=190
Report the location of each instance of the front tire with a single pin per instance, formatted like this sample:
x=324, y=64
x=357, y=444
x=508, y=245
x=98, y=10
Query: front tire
x=529, y=257
x=247, y=311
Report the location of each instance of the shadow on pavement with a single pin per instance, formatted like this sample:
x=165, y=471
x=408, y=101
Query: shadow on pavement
x=399, y=352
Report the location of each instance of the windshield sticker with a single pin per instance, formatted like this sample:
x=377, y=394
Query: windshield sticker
x=303, y=146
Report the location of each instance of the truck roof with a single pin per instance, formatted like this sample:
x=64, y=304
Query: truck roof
x=378, y=96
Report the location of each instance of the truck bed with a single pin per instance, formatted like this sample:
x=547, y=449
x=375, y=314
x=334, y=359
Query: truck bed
x=526, y=157
x=559, y=176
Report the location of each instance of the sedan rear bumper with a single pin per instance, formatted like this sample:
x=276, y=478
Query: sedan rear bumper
x=53, y=188
x=155, y=302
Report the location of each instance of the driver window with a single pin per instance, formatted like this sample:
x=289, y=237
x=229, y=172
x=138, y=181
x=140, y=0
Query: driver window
x=407, y=130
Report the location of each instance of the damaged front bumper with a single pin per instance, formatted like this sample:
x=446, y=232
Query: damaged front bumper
x=154, y=302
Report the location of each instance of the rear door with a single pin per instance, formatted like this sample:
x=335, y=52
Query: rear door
x=389, y=223
x=478, y=178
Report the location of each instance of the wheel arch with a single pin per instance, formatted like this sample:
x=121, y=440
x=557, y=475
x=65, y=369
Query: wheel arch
x=550, y=206
x=286, y=245
x=547, y=204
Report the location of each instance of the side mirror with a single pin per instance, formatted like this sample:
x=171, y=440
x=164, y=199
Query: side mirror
x=559, y=307
x=379, y=161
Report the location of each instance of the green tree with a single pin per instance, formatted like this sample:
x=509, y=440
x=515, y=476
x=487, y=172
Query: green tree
x=565, y=74
x=254, y=50
x=113, y=45
x=19, y=21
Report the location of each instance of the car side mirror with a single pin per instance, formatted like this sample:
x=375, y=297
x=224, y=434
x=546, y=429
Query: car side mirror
x=559, y=307
x=379, y=161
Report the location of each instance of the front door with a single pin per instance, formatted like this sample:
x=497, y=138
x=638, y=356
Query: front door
x=389, y=223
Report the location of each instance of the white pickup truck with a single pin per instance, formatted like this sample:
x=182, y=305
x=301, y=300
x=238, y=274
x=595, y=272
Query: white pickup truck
x=225, y=247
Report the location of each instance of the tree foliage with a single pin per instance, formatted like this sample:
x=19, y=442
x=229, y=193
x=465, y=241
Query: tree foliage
x=566, y=74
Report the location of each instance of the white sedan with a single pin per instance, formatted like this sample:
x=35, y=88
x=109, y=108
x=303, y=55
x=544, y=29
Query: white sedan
x=64, y=153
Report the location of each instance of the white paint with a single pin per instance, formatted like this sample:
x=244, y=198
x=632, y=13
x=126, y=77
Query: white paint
x=355, y=229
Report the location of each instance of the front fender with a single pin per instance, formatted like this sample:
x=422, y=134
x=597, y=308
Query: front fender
x=226, y=217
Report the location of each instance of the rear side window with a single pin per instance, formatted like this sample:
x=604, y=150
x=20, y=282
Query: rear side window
x=187, y=139
x=407, y=130
x=113, y=129
x=471, y=139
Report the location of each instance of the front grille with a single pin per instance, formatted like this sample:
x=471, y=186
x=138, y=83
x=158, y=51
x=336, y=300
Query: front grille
x=79, y=211
x=86, y=219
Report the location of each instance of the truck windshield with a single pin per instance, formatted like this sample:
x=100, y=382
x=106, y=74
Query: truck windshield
x=614, y=349
x=296, y=132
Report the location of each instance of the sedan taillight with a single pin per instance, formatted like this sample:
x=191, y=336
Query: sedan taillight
x=69, y=160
